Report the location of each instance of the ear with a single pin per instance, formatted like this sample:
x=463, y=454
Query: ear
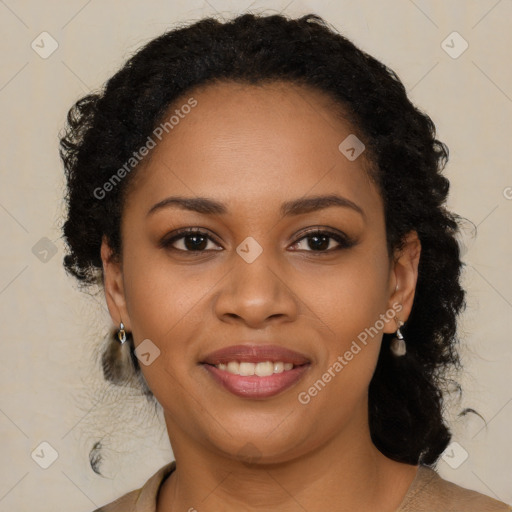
x=114, y=286
x=403, y=278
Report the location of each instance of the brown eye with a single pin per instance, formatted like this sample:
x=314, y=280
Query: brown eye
x=192, y=240
x=320, y=241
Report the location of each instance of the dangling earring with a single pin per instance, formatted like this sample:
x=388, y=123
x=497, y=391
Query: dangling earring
x=121, y=334
x=398, y=343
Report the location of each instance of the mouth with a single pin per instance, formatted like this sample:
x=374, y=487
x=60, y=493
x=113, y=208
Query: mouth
x=256, y=371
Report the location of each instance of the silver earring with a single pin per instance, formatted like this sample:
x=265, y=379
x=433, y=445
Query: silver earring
x=121, y=334
x=397, y=346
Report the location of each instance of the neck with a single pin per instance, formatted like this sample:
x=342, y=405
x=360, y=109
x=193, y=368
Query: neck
x=347, y=470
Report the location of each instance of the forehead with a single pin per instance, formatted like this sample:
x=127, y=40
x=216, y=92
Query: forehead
x=244, y=142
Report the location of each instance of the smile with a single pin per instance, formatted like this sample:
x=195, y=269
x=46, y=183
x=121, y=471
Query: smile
x=256, y=371
x=262, y=369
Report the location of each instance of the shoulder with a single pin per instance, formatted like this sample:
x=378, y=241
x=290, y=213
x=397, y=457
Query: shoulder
x=431, y=493
x=143, y=499
x=125, y=503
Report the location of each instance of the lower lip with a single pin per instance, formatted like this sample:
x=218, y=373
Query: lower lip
x=253, y=386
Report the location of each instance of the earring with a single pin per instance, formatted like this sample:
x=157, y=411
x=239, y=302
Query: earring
x=398, y=343
x=121, y=334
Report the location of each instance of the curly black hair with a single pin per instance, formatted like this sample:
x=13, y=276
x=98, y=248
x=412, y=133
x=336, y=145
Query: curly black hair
x=104, y=129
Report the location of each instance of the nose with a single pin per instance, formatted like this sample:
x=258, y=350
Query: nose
x=256, y=293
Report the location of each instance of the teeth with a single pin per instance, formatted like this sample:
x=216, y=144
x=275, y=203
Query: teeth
x=263, y=369
x=233, y=367
x=278, y=367
x=246, y=369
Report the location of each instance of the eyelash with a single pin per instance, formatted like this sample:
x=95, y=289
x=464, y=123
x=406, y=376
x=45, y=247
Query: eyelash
x=343, y=241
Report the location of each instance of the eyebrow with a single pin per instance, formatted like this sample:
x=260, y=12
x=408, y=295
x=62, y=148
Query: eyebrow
x=300, y=206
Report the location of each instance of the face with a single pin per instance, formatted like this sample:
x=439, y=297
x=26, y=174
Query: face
x=254, y=279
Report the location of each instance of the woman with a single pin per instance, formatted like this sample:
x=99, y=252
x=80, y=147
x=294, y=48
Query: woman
x=265, y=209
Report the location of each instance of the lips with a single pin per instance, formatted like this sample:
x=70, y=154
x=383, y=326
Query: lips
x=255, y=354
x=290, y=366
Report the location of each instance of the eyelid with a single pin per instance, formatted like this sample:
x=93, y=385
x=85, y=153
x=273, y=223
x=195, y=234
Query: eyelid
x=323, y=230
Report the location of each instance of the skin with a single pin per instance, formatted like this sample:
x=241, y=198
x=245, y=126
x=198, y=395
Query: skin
x=253, y=148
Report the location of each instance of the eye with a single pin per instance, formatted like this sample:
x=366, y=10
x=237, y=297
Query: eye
x=194, y=240
x=320, y=241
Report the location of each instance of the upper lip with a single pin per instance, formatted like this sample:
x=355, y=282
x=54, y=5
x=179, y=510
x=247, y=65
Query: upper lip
x=251, y=353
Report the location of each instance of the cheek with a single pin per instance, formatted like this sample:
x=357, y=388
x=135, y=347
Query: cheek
x=350, y=296
x=165, y=307
x=161, y=300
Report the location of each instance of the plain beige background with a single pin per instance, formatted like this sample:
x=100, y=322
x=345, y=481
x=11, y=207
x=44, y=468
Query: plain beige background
x=50, y=385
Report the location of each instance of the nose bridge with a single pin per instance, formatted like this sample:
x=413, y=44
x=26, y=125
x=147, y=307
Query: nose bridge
x=255, y=290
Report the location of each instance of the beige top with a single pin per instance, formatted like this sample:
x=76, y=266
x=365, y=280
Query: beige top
x=428, y=492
